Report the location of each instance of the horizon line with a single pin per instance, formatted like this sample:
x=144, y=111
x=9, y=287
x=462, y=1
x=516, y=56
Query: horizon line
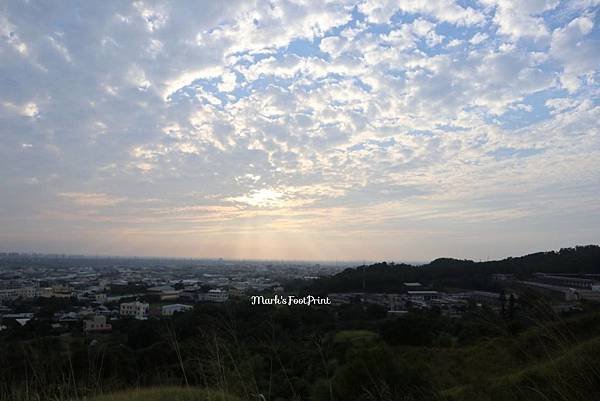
x=230, y=259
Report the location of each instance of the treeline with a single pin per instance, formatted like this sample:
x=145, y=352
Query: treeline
x=445, y=272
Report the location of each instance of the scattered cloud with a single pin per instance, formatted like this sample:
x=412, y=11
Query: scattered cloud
x=91, y=199
x=333, y=120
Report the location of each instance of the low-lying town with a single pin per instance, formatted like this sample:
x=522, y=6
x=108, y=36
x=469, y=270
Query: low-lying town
x=88, y=296
x=90, y=293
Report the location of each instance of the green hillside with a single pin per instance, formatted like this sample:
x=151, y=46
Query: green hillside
x=446, y=272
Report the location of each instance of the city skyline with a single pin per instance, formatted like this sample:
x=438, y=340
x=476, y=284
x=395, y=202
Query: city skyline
x=351, y=130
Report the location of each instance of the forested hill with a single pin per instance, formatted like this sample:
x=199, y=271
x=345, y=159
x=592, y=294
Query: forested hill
x=388, y=277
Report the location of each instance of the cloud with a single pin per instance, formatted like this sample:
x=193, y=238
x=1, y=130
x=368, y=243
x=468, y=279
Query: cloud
x=478, y=38
x=91, y=199
x=187, y=78
x=521, y=19
x=316, y=119
x=578, y=53
x=29, y=109
x=380, y=11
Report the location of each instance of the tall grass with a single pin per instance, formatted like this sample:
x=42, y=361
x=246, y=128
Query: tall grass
x=556, y=359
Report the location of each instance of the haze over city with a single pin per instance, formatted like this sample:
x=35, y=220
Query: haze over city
x=299, y=130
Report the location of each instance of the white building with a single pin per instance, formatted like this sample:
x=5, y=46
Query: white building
x=216, y=296
x=57, y=291
x=96, y=323
x=12, y=291
x=101, y=298
x=169, y=310
x=138, y=310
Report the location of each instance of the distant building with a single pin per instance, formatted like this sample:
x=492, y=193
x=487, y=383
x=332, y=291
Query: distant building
x=96, y=324
x=169, y=310
x=216, y=296
x=165, y=292
x=422, y=295
x=390, y=301
x=57, y=291
x=503, y=277
x=138, y=310
x=565, y=281
x=565, y=293
x=9, y=291
x=101, y=298
x=482, y=297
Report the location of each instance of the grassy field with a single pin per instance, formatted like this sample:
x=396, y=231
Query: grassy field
x=555, y=359
x=355, y=336
x=166, y=394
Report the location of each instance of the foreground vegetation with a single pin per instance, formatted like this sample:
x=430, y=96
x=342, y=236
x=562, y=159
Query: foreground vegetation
x=347, y=353
x=166, y=394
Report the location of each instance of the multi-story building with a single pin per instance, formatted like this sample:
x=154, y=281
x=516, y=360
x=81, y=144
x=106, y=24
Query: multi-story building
x=11, y=290
x=216, y=296
x=101, y=298
x=138, y=310
x=165, y=292
x=57, y=291
x=96, y=324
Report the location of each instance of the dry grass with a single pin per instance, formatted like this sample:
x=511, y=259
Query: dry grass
x=166, y=394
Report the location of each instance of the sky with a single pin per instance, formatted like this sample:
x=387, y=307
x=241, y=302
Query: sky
x=327, y=129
